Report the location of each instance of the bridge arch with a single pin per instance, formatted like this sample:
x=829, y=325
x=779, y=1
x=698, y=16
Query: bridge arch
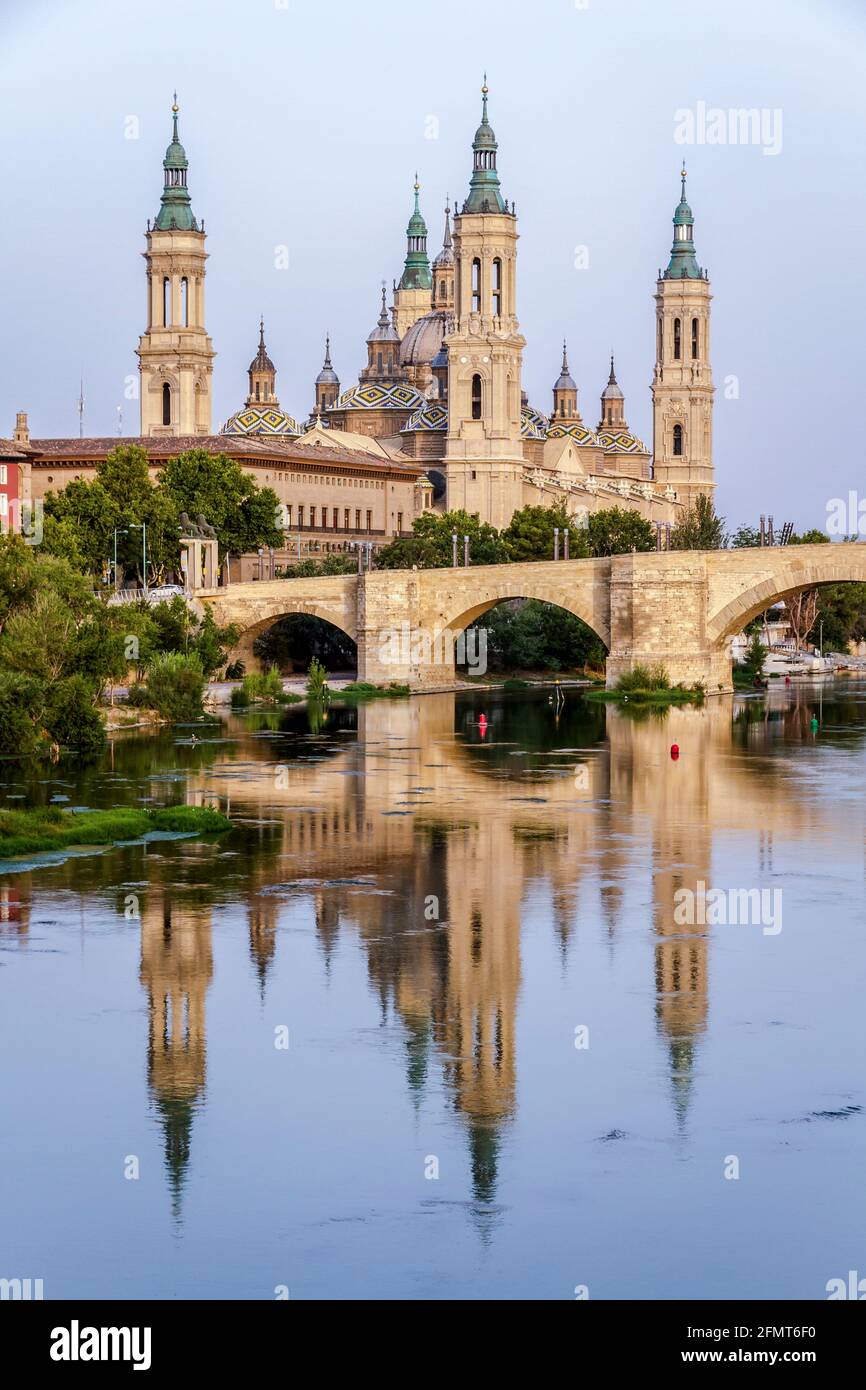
x=255, y=607
x=788, y=572
x=584, y=593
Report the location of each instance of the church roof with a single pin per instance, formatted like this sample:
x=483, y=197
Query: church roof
x=612, y=392
x=446, y=255
x=175, y=211
x=262, y=362
x=432, y=415
x=573, y=429
x=370, y=395
x=533, y=425
x=384, y=332
x=623, y=443
x=424, y=339
x=261, y=419
x=683, y=264
x=484, y=191
x=565, y=381
x=327, y=376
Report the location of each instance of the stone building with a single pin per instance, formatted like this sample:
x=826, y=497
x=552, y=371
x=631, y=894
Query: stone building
x=438, y=415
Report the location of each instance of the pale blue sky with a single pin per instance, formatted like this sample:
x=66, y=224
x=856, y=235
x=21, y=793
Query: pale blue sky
x=304, y=123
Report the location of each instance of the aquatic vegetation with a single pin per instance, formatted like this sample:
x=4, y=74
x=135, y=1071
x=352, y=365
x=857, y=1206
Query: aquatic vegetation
x=366, y=690
x=51, y=828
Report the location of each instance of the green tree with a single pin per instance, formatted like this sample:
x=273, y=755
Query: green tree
x=529, y=534
x=701, y=528
x=745, y=536
x=243, y=515
x=529, y=635
x=175, y=684
x=430, y=545
x=615, y=531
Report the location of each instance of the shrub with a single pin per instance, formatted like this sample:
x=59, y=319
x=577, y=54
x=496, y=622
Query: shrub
x=235, y=671
x=317, y=681
x=644, y=678
x=174, y=685
x=71, y=719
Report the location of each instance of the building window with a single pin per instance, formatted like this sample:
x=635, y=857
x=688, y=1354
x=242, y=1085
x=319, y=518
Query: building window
x=678, y=441
x=312, y=516
x=660, y=352
x=677, y=344
x=166, y=403
x=695, y=337
x=289, y=518
x=357, y=518
x=497, y=287
x=4, y=476
x=184, y=302
x=166, y=302
x=300, y=518
x=379, y=363
x=369, y=521
x=399, y=522
x=476, y=397
x=346, y=519
x=257, y=390
x=336, y=516
x=441, y=289
x=476, y=285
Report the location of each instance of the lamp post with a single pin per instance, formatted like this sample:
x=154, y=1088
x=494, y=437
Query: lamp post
x=124, y=531
x=466, y=551
x=454, y=549
x=142, y=527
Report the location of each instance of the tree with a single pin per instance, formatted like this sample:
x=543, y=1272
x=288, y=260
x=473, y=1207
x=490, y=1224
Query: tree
x=529, y=534
x=745, y=536
x=175, y=684
x=82, y=520
x=243, y=515
x=431, y=547
x=753, y=661
x=615, y=531
x=701, y=528
x=801, y=611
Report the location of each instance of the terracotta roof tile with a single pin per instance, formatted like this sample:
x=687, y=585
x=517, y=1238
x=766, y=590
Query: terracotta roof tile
x=273, y=450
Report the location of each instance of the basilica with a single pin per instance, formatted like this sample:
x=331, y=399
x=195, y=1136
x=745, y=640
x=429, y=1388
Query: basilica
x=438, y=417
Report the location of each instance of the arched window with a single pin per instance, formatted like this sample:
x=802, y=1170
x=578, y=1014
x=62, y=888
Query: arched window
x=476, y=286
x=497, y=287
x=166, y=403
x=677, y=343
x=678, y=441
x=184, y=302
x=562, y=407
x=660, y=353
x=379, y=363
x=166, y=302
x=257, y=390
x=476, y=397
x=441, y=289
x=695, y=338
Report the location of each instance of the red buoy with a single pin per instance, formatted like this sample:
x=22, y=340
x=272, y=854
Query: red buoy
x=675, y=750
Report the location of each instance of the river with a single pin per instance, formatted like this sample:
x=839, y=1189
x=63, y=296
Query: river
x=427, y=1022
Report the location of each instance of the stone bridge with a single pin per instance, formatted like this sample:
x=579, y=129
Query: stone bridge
x=679, y=608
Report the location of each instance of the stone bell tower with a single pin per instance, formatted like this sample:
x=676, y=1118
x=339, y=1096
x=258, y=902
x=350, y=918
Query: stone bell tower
x=682, y=389
x=484, y=451
x=175, y=354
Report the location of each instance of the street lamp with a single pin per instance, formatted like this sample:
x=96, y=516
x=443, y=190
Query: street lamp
x=123, y=531
x=142, y=527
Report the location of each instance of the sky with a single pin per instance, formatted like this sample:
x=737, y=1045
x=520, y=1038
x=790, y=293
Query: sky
x=304, y=124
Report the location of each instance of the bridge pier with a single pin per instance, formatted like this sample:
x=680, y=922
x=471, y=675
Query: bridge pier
x=658, y=617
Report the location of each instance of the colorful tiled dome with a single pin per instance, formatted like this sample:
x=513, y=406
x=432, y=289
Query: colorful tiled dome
x=574, y=429
x=261, y=419
x=433, y=415
x=533, y=425
x=370, y=395
x=620, y=443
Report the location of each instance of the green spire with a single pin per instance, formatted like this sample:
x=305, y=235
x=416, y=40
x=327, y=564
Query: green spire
x=683, y=263
x=175, y=212
x=484, y=194
x=416, y=271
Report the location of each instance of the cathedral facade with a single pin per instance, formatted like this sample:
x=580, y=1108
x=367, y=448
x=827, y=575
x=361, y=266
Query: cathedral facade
x=438, y=416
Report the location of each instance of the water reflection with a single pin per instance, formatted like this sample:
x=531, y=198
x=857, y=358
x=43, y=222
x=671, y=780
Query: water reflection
x=431, y=836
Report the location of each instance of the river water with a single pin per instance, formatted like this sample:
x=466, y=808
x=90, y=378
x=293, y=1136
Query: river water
x=427, y=1023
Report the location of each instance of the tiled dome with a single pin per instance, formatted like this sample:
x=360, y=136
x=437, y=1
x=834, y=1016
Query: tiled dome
x=261, y=419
